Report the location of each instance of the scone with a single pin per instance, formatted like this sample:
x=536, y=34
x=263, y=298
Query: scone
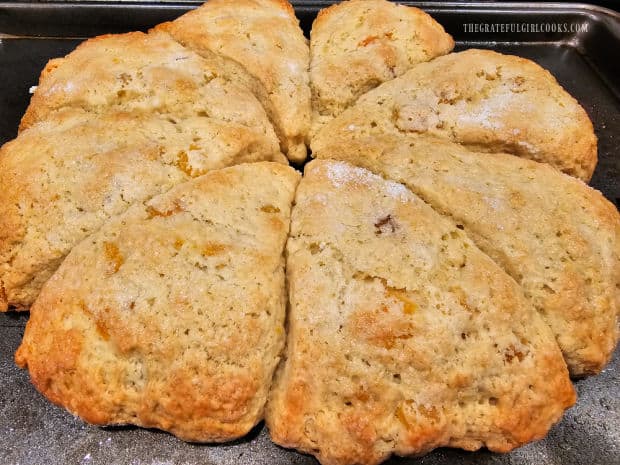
x=265, y=38
x=402, y=335
x=171, y=316
x=484, y=100
x=557, y=237
x=150, y=73
x=358, y=44
x=63, y=178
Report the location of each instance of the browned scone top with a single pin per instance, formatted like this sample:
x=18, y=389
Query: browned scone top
x=557, y=237
x=356, y=45
x=264, y=37
x=486, y=101
x=63, y=178
x=150, y=73
x=402, y=335
x=171, y=316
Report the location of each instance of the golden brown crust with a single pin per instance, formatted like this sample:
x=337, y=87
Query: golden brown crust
x=264, y=37
x=168, y=311
x=4, y=302
x=147, y=322
x=63, y=178
x=557, y=237
x=356, y=45
x=484, y=100
x=402, y=335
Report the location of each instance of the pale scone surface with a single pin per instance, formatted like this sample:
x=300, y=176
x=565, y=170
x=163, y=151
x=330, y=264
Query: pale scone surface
x=65, y=177
x=264, y=37
x=144, y=72
x=358, y=44
x=483, y=100
x=402, y=335
x=171, y=316
x=557, y=237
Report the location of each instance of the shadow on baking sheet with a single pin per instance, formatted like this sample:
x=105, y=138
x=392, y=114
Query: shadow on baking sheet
x=252, y=435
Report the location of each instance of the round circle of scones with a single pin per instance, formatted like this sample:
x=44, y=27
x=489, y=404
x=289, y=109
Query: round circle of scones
x=443, y=277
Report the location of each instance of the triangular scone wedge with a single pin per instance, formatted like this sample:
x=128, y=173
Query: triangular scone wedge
x=557, y=237
x=402, y=335
x=358, y=44
x=265, y=38
x=172, y=315
x=150, y=73
x=63, y=178
x=484, y=100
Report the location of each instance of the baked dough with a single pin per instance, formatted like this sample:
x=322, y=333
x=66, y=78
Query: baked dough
x=402, y=335
x=171, y=316
x=160, y=270
x=484, y=100
x=557, y=237
x=358, y=44
x=265, y=38
x=63, y=178
x=150, y=73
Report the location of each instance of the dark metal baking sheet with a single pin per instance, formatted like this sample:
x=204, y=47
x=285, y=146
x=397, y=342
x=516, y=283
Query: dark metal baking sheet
x=34, y=432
